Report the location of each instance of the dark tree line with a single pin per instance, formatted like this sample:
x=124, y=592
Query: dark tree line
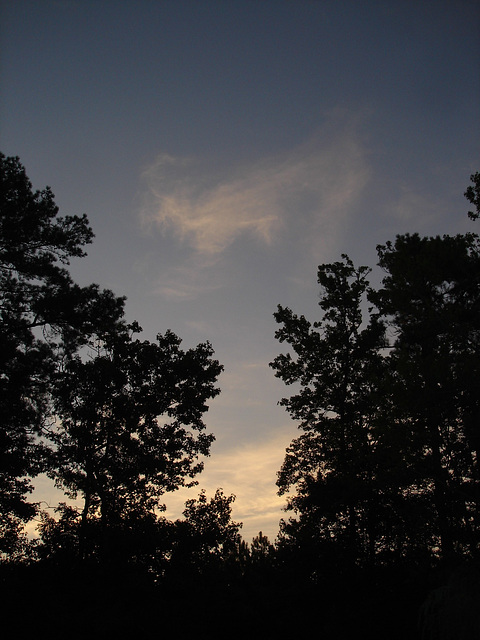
x=382, y=485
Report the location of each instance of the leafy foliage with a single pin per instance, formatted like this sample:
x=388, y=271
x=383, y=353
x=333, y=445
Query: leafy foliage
x=43, y=316
x=431, y=294
x=387, y=466
x=130, y=423
x=473, y=195
x=112, y=419
x=334, y=465
x=206, y=539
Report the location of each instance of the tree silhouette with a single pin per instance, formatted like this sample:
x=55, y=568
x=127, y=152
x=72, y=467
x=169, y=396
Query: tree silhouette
x=129, y=426
x=473, y=195
x=387, y=468
x=338, y=364
x=431, y=296
x=112, y=419
x=43, y=316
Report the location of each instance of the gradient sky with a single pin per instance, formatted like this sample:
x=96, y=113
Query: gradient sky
x=223, y=150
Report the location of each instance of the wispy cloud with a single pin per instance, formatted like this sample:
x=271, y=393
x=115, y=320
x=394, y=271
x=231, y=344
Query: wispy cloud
x=186, y=281
x=412, y=207
x=210, y=210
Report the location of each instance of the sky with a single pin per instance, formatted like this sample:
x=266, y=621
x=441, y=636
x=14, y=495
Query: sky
x=222, y=150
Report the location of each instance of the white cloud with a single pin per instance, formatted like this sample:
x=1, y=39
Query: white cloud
x=208, y=210
x=208, y=213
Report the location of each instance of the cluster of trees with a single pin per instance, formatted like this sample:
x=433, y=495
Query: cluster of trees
x=384, y=481
x=388, y=398
x=383, y=484
x=113, y=420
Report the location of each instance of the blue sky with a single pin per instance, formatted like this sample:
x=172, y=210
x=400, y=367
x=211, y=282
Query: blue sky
x=222, y=150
